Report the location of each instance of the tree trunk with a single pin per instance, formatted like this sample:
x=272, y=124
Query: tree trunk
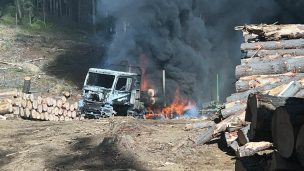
x=300, y=146
x=252, y=148
x=243, y=135
x=274, y=45
x=279, y=163
x=238, y=107
x=268, y=66
x=287, y=122
x=5, y=107
x=27, y=85
x=275, y=32
x=266, y=81
x=278, y=52
x=260, y=109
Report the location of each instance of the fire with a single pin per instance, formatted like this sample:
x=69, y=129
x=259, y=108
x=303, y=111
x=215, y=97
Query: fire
x=178, y=107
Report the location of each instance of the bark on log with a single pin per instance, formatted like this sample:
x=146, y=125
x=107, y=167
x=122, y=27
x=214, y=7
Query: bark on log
x=8, y=93
x=243, y=135
x=206, y=136
x=251, y=163
x=238, y=119
x=278, y=52
x=300, y=146
x=287, y=123
x=259, y=112
x=238, y=107
x=27, y=85
x=266, y=81
x=279, y=163
x=268, y=66
x=274, y=45
x=252, y=148
x=275, y=32
x=5, y=107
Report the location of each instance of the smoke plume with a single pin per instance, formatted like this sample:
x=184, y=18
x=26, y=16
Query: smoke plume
x=193, y=40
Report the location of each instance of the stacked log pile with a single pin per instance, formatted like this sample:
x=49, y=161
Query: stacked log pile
x=31, y=107
x=267, y=112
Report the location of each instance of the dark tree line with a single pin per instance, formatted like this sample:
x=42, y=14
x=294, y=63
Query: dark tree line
x=80, y=12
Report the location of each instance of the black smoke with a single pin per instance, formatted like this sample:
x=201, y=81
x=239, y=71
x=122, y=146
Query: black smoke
x=193, y=40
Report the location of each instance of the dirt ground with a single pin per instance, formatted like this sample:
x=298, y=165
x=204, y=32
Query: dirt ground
x=119, y=143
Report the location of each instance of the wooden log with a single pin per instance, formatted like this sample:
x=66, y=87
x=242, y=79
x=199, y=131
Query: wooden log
x=252, y=148
x=274, y=45
x=279, y=163
x=287, y=123
x=60, y=112
x=72, y=107
x=278, y=52
x=44, y=107
x=69, y=114
x=33, y=114
x=66, y=106
x=17, y=102
x=35, y=104
x=40, y=108
x=50, y=101
x=26, y=85
x=243, y=135
x=260, y=110
x=61, y=118
x=300, y=146
x=291, y=89
x=21, y=110
x=300, y=94
x=266, y=81
x=76, y=105
x=74, y=115
x=59, y=103
x=23, y=103
x=29, y=105
x=8, y=93
x=267, y=66
x=5, y=107
x=63, y=99
x=16, y=111
x=275, y=32
x=27, y=112
x=46, y=116
x=66, y=94
x=56, y=111
x=42, y=116
x=238, y=119
x=65, y=112
x=50, y=110
x=205, y=136
x=32, y=97
x=51, y=117
x=188, y=127
x=238, y=107
x=39, y=100
x=38, y=116
x=230, y=137
x=250, y=163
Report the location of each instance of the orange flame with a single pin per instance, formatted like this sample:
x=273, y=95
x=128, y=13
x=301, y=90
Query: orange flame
x=143, y=64
x=178, y=106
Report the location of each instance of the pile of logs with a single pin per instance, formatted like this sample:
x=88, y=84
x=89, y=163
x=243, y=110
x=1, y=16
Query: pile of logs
x=29, y=106
x=267, y=112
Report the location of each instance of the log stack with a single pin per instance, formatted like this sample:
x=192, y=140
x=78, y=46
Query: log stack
x=34, y=107
x=268, y=106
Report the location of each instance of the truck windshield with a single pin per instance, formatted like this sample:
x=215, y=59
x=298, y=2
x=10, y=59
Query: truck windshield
x=100, y=80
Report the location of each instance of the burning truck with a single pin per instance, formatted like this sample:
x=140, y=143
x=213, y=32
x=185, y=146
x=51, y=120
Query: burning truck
x=107, y=92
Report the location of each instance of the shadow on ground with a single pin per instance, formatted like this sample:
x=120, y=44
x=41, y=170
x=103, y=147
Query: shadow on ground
x=105, y=156
x=73, y=64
